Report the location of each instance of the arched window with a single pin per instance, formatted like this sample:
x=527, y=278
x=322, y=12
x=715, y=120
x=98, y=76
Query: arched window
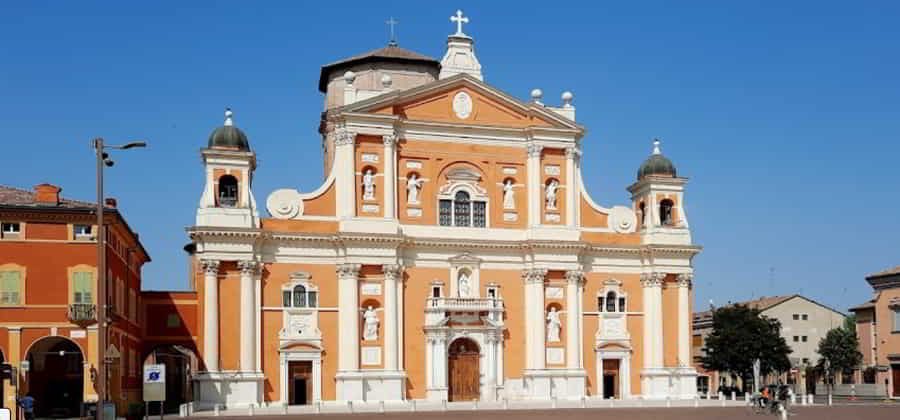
x=611, y=302
x=462, y=211
x=299, y=297
x=228, y=191
x=665, y=212
x=643, y=208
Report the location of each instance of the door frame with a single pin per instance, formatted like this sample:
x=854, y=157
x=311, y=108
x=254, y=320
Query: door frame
x=624, y=375
x=479, y=370
x=301, y=355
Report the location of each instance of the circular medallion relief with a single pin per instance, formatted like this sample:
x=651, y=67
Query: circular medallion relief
x=622, y=219
x=462, y=105
x=285, y=204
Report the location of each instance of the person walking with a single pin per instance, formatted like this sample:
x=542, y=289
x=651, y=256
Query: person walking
x=27, y=404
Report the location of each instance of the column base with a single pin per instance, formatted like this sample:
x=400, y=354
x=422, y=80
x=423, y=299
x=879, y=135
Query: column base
x=228, y=389
x=371, y=385
x=672, y=383
x=546, y=384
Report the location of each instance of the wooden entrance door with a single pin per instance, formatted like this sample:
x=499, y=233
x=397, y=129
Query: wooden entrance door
x=300, y=382
x=895, y=370
x=463, y=367
x=611, y=378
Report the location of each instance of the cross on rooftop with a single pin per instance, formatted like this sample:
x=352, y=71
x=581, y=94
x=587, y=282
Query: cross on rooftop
x=392, y=22
x=459, y=19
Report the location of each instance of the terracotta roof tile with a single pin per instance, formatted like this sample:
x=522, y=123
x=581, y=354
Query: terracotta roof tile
x=888, y=272
x=10, y=196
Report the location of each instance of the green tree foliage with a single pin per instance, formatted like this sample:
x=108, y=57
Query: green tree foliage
x=740, y=335
x=840, y=348
x=850, y=323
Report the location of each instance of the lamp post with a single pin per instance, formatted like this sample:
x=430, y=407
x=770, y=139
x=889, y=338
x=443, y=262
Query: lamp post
x=103, y=316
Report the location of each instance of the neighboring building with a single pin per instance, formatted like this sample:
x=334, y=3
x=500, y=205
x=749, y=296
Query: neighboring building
x=804, y=322
x=48, y=296
x=452, y=252
x=878, y=329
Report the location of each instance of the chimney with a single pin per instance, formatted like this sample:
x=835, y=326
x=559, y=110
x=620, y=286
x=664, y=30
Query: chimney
x=47, y=194
x=111, y=202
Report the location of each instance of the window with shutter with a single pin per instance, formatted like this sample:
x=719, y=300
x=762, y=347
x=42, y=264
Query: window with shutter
x=10, y=288
x=83, y=287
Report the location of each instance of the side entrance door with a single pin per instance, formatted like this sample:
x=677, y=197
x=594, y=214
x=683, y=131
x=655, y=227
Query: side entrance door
x=464, y=374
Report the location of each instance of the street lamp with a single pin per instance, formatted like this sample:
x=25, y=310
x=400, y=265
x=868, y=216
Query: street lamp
x=103, y=159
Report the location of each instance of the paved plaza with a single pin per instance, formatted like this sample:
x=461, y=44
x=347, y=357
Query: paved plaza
x=838, y=412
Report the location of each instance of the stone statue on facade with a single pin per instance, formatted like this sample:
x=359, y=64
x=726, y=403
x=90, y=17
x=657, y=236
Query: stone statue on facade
x=370, y=324
x=413, y=184
x=509, y=201
x=465, y=289
x=550, y=194
x=368, y=185
x=553, y=325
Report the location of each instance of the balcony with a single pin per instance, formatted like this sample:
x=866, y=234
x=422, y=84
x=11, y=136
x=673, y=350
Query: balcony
x=83, y=313
x=460, y=304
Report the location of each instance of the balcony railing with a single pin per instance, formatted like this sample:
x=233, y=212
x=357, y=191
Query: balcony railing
x=83, y=313
x=464, y=304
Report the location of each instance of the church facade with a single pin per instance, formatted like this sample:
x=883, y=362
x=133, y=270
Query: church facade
x=451, y=253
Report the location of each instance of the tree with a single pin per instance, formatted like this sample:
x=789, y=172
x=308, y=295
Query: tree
x=740, y=335
x=840, y=349
x=850, y=323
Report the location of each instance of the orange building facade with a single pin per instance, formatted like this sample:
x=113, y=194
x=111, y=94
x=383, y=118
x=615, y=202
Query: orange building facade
x=451, y=253
x=878, y=331
x=48, y=301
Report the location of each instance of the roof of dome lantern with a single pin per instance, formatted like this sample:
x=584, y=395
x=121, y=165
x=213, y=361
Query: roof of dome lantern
x=228, y=136
x=656, y=164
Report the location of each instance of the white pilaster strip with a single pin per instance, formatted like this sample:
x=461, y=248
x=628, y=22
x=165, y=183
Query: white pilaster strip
x=211, y=315
x=348, y=317
x=571, y=187
x=391, y=354
x=390, y=178
x=573, y=314
x=345, y=173
x=248, y=315
x=534, y=321
x=684, y=312
x=533, y=165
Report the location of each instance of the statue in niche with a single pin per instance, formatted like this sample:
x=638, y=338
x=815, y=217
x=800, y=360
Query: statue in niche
x=413, y=184
x=370, y=324
x=509, y=201
x=553, y=325
x=368, y=185
x=550, y=194
x=465, y=288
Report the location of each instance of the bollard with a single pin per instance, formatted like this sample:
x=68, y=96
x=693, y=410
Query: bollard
x=733, y=396
x=829, y=399
x=612, y=403
x=721, y=395
x=553, y=402
x=413, y=406
x=250, y=410
x=782, y=412
x=668, y=401
x=793, y=398
x=696, y=401
x=350, y=405
x=216, y=410
x=475, y=404
x=505, y=403
x=318, y=407
x=746, y=397
x=722, y=401
x=381, y=406
x=583, y=402
x=444, y=405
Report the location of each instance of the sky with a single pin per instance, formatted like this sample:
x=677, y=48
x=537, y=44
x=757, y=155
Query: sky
x=785, y=116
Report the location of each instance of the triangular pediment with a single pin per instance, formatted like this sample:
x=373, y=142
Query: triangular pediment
x=462, y=99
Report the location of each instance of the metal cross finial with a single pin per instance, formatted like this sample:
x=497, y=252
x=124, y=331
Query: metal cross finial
x=392, y=22
x=459, y=19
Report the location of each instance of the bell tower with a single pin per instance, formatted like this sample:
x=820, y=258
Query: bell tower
x=227, y=199
x=658, y=199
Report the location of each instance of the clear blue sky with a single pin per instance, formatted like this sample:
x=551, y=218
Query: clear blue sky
x=785, y=115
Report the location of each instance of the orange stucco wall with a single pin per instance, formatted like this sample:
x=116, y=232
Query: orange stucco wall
x=486, y=110
x=670, y=322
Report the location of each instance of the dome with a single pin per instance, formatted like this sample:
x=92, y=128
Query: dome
x=228, y=136
x=657, y=164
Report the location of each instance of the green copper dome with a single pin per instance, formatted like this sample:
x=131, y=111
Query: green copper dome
x=656, y=164
x=228, y=136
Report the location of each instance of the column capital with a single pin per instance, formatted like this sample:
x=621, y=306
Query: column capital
x=534, y=150
x=249, y=267
x=348, y=270
x=652, y=279
x=210, y=267
x=686, y=280
x=575, y=276
x=343, y=137
x=534, y=275
x=390, y=140
x=392, y=271
x=572, y=152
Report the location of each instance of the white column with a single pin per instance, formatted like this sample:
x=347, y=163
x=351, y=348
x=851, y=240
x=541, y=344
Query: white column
x=391, y=348
x=684, y=313
x=390, y=177
x=574, y=280
x=653, y=334
x=571, y=187
x=348, y=317
x=534, y=321
x=429, y=362
x=345, y=173
x=625, y=374
x=248, y=315
x=600, y=374
x=211, y=315
x=400, y=323
x=533, y=165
